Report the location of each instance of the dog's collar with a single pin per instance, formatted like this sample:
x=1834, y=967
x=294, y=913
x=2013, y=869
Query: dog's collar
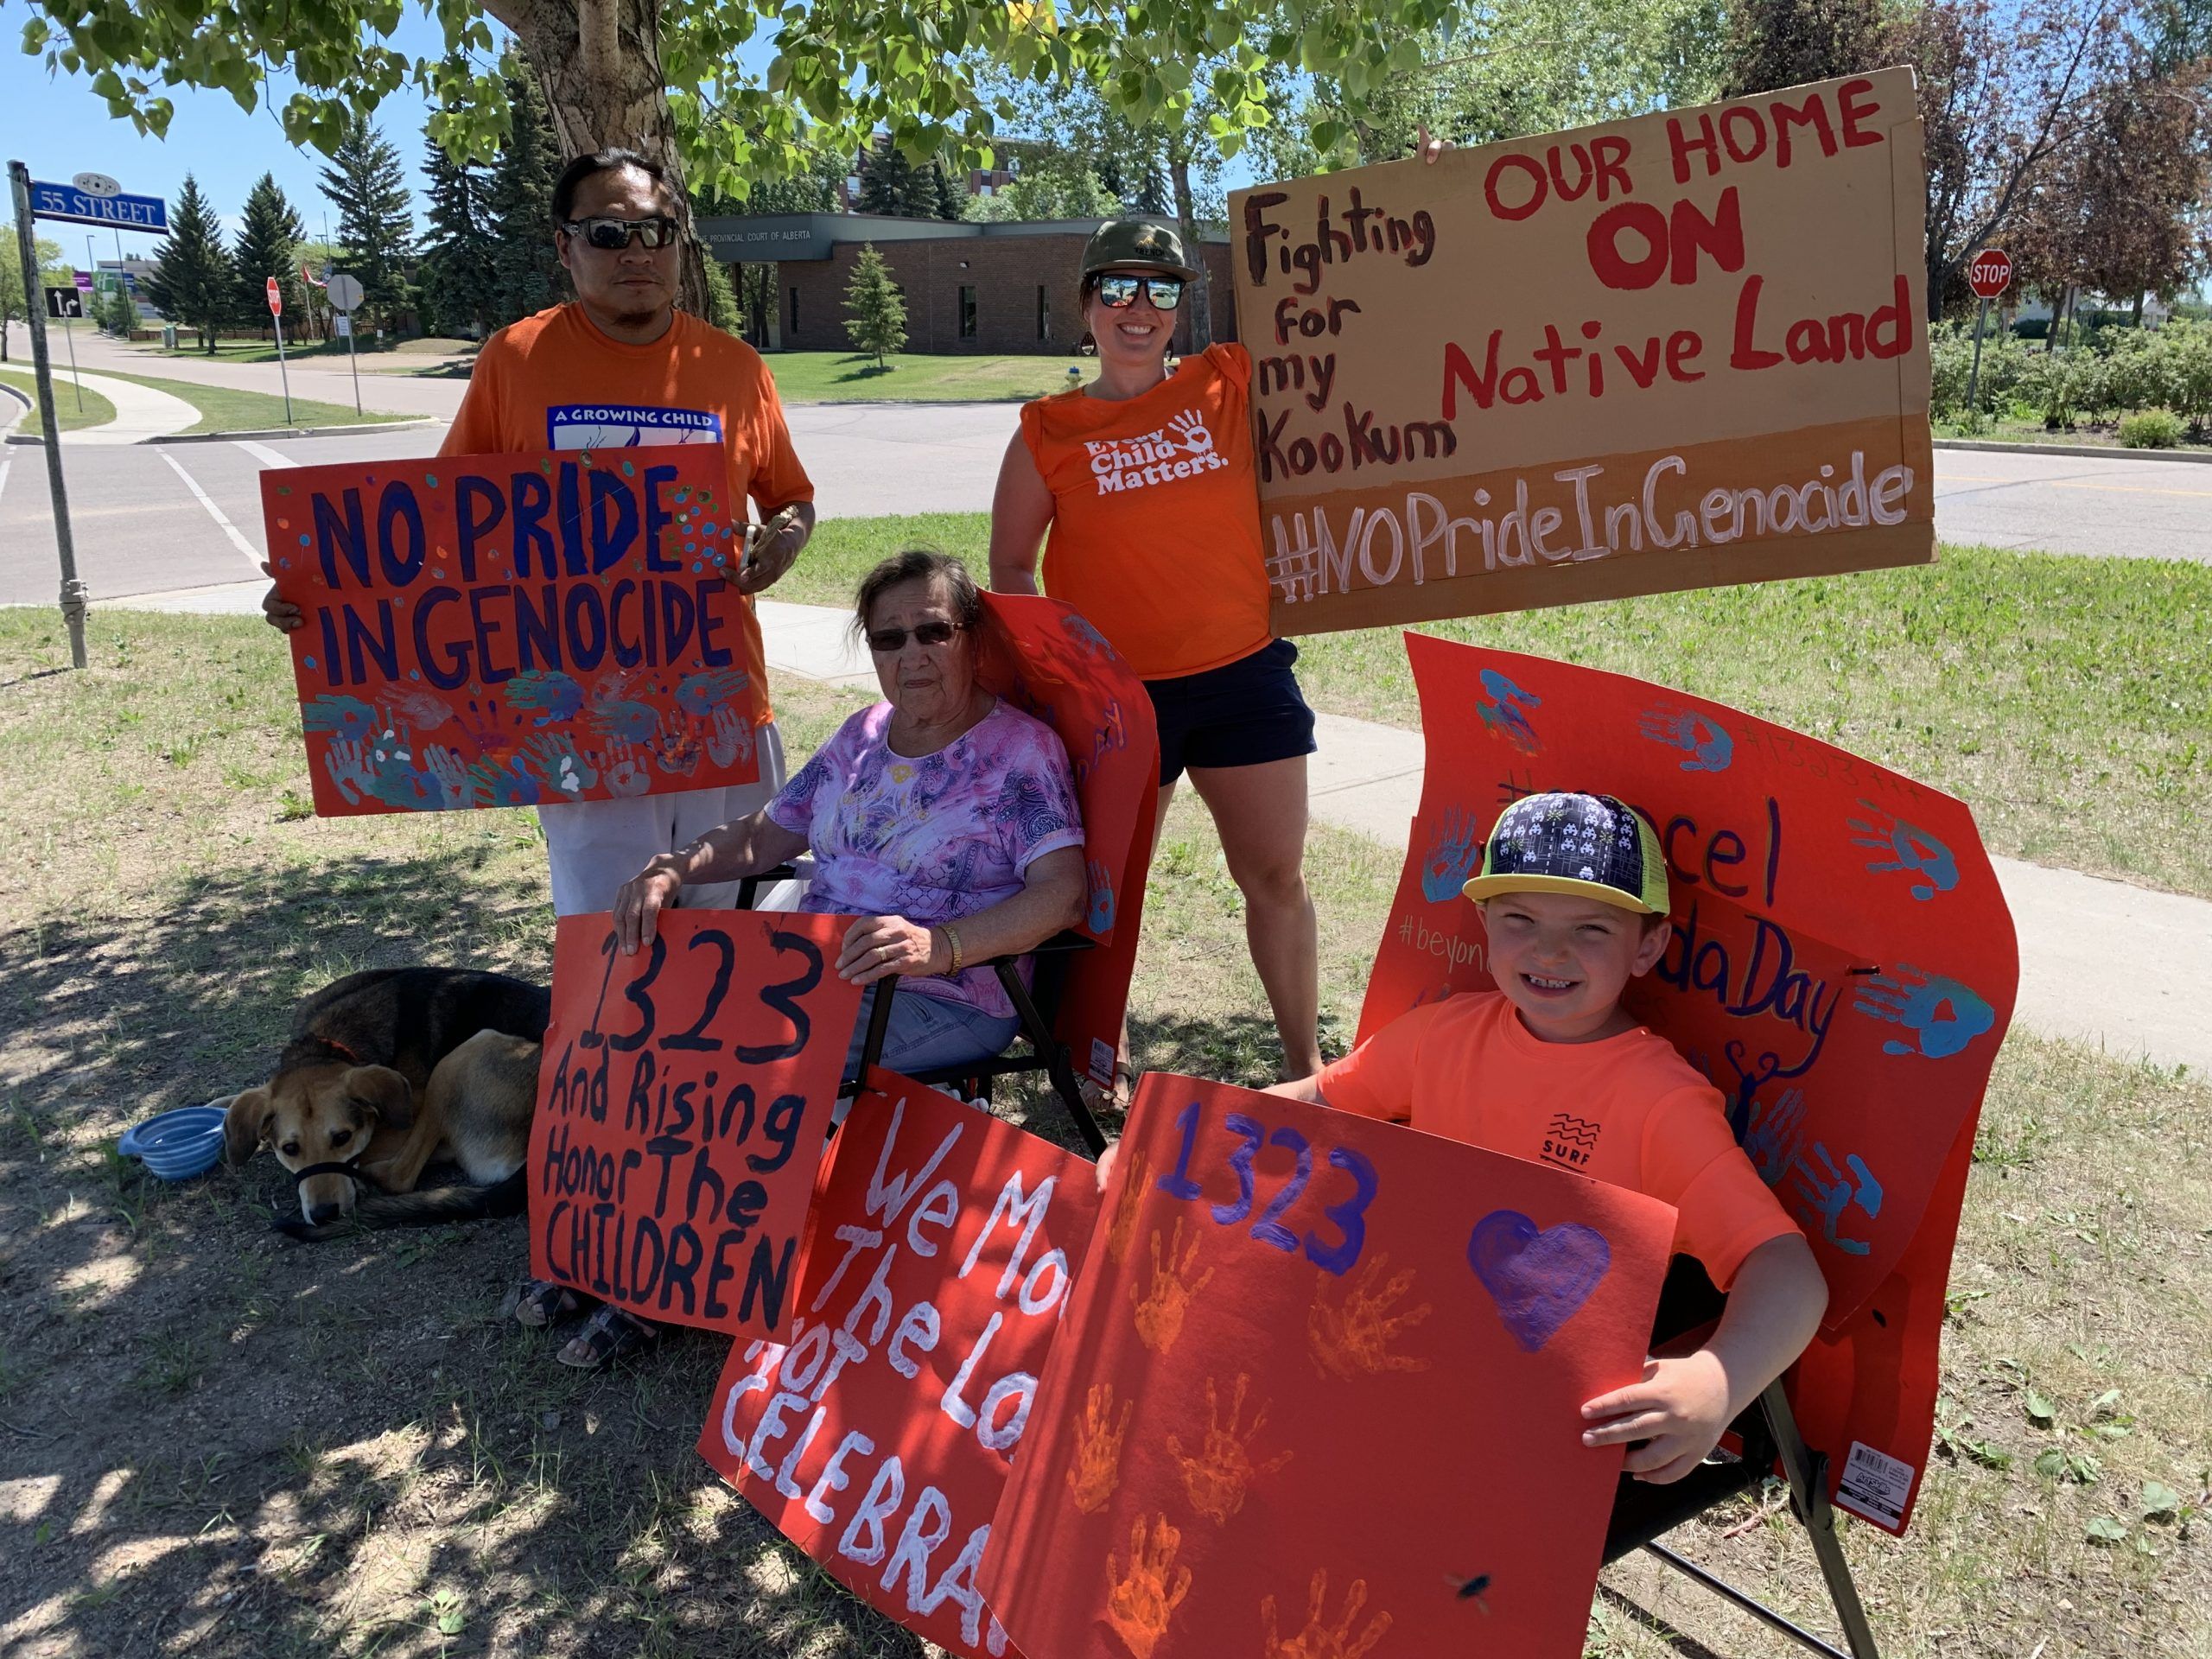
x=341, y=1050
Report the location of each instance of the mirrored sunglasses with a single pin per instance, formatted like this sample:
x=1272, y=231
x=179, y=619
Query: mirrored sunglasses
x=884, y=641
x=612, y=235
x=1119, y=291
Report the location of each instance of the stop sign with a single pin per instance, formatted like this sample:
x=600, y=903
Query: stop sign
x=277, y=298
x=1991, y=273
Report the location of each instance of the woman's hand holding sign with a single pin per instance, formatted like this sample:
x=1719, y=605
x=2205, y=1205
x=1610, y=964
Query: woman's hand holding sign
x=876, y=946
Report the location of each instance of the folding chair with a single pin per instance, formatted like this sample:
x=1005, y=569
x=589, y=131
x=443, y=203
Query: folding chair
x=1765, y=1433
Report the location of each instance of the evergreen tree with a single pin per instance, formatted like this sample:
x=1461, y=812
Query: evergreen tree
x=721, y=297
x=119, y=313
x=267, y=245
x=526, y=273
x=886, y=182
x=875, y=309
x=376, y=222
x=944, y=198
x=192, y=282
x=460, y=286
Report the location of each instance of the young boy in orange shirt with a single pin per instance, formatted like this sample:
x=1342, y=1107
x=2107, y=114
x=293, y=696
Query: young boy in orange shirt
x=1550, y=1067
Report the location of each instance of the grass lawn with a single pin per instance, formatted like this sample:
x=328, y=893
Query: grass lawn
x=96, y=411
x=2098, y=435
x=2068, y=700
x=846, y=378
x=247, y=1450
x=263, y=350
x=224, y=409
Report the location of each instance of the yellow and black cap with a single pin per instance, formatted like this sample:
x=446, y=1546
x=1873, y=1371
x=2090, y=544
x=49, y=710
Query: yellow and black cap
x=1566, y=842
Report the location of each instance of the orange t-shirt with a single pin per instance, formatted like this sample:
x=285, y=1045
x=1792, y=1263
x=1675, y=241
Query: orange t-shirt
x=1155, y=533
x=1628, y=1111
x=553, y=381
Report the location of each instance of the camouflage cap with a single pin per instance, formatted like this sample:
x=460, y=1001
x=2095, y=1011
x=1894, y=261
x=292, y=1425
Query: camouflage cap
x=1136, y=245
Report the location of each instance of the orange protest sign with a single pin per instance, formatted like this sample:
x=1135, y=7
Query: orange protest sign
x=509, y=629
x=1842, y=967
x=1322, y=1386
x=879, y=1435
x=682, y=1105
x=1680, y=350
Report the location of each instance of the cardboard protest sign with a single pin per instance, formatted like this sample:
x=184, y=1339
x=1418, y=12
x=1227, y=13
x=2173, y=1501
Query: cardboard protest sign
x=1320, y=1392
x=879, y=1435
x=507, y=630
x=1670, y=352
x=1048, y=660
x=681, y=1103
x=1843, y=964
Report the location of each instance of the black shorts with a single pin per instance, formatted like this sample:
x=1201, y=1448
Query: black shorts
x=1242, y=714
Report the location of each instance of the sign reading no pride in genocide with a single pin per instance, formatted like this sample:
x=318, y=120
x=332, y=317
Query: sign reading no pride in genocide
x=1671, y=351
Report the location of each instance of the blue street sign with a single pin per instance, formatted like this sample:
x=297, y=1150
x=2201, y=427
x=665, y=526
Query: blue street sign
x=124, y=213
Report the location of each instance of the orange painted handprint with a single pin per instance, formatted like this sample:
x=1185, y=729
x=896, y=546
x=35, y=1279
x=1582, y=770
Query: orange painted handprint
x=1098, y=1450
x=1126, y=1205
x=1160, y=1310
x=1353, y=1340
x=1216, y=1479
x=1139, y=1606
x=1317, y=1640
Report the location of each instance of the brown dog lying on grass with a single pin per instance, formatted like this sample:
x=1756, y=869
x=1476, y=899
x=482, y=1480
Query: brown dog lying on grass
x=387, y=1072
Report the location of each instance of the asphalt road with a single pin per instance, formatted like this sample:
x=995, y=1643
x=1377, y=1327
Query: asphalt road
x=160, y=518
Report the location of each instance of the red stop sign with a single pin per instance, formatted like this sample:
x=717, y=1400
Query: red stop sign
x=1991, y=273
x=277, y=297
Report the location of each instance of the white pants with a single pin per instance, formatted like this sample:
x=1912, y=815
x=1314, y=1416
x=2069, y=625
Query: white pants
x=595, y=846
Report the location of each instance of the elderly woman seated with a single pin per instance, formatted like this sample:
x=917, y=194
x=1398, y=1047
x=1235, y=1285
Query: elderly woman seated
x=942, y=817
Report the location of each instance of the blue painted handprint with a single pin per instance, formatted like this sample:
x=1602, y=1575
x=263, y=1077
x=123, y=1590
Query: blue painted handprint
x=1708, y=745
x=704, y=692
x=1453, y=850
x=1830, y=1192
x=624, y=719
x=1502, y=706
x=1093, y=642
x=1101, y=914
x=347, y=718
x=1778, y=1130
x=1944, y=1015
x=1909, y=848
x=550, y=692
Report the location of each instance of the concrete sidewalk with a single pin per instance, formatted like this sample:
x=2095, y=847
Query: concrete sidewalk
x=141, y=412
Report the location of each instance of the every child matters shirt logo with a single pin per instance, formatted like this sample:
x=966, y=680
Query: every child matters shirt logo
x=627, y=426
x=1182, y=448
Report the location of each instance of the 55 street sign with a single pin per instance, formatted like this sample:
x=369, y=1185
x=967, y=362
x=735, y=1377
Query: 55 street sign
x=70, y=202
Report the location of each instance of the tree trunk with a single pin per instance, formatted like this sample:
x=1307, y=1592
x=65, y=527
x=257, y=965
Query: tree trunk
x=598, y=63
x=1178, y=169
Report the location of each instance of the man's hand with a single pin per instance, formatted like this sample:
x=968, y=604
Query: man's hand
x=878, y=945
x=1680, y=1409
x=1429, y=146
x=770, y=548
x=279, y=613
x=1106, y=1160
x=641, y=900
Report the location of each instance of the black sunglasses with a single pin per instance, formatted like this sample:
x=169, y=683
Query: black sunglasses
x=612, y=235
x=1120, y=291
x=884, y=641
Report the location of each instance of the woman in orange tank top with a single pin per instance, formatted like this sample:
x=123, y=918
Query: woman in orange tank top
x=1145, y=482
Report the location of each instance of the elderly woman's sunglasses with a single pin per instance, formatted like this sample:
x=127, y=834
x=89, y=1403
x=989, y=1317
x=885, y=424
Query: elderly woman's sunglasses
x=612, y=235
x=884, y=641
x=1120, y=291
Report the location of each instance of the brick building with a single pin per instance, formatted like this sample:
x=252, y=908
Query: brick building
x=1002, y=288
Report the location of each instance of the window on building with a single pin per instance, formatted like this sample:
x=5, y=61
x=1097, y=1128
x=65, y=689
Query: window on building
x=1043, y=313
x=967, y=311
x=794, y=308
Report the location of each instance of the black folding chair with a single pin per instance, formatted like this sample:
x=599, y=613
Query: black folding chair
x=1767, y=1433
x=1035, y=1006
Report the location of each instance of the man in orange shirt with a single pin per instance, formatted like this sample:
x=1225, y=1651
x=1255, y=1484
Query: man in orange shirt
x=621, y=366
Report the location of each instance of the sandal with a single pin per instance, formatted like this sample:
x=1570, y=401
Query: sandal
x=1118, y=1098
x=610, y=1334
x=542, y=1302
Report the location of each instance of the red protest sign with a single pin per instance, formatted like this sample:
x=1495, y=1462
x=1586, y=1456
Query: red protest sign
x=879, y=1436
x=1322, y=1384
x=682, y=1105
x=507, y=630
x=1842, y=967
x=275, y=299
x=1991, y=273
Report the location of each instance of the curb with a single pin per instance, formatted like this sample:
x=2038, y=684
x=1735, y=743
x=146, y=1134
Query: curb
x=2075, y=451
x=350, y=430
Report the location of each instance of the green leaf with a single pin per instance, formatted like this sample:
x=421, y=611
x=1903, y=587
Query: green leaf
x=2051, y=1464
x=2105, y=1404
x=2105, y=1530
x=2040, y=1411
x=2160, y=1501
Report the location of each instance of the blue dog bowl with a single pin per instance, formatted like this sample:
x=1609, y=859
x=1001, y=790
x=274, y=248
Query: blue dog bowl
x=178, y=1145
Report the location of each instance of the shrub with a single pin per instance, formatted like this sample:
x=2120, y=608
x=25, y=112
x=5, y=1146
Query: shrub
x=1950, y=356
x=2053, y=387
x=2150, y=429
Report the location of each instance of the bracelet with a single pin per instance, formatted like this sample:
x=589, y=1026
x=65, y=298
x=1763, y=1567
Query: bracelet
x=952, y=938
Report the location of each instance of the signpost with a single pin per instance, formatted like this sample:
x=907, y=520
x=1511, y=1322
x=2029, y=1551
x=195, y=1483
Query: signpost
x=1989, y=276
x=73, y=594
x=64, y=303
x=345, y=293
x=277, y=316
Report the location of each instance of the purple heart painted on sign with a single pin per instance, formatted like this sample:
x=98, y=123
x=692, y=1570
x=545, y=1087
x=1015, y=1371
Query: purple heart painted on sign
x=1538, y=1279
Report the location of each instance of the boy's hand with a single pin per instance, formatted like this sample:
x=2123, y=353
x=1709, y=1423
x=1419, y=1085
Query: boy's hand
x=1679, y=1410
